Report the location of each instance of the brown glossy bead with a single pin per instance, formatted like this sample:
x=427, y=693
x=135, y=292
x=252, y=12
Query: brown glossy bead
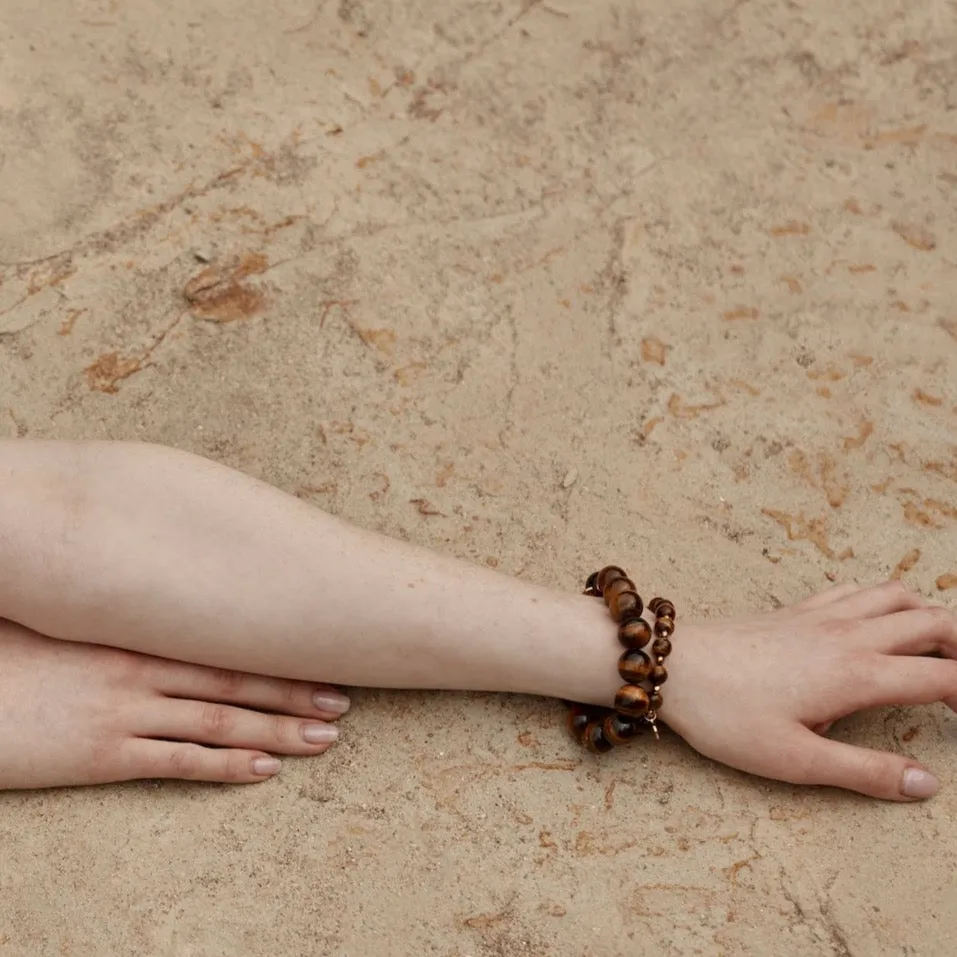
x=594, y=739
x=591, y=584
x=654, y=604
x=633, y=615
x=634, y=666
x=614, y=588
x=665, y=609
x=659, y=675
x=619, y=729
x=656, y=701
x=634, y=633
x=607, y=575
x=627, y=604
x=632, y=701
x=578, y=720
x=661, y=648
x=664, y=628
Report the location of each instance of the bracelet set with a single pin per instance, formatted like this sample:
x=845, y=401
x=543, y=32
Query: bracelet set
x=638, y=700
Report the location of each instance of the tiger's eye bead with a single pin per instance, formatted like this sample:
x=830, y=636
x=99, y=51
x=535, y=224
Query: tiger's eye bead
x=659, y=675
x=664, y=628
x=634, y=633
x=627, y=604
x=665, y=609
x=634, y=666
x=656, y=700
x=594, y=739
x=591, y=584
x=654, y=604
x=614, y=588
x=632, y=701
x=578, y=720
x=661, y=648
x=607, y=575
x=619, y=729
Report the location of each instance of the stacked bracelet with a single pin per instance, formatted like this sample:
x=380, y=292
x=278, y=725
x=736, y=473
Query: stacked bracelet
x=638, y=700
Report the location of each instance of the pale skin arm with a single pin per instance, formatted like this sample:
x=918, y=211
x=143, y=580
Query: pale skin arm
x=159, y=552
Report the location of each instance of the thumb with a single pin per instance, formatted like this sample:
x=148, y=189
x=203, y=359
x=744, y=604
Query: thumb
x=891, y=777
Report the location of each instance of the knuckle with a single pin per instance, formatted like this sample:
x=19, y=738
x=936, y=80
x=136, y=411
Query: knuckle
x=184, y=760
x=282, y=729
x=874, y=772
x=839, y=629
x=291, y=696
x=933, y=621
x=937, y=615
x=228, y=683
x=234, y=766
x=855, y=667
x=216, y=720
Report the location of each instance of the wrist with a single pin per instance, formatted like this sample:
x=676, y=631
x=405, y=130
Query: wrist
x=584, y=653
x=645, y=632
x=676, y=710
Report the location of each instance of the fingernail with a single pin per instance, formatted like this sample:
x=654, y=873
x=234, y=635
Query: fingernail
x=319, y=733
x=331, y=701
x=266, y=766
x=919, y=784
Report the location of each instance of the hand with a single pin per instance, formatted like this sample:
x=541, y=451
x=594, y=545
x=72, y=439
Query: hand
x=83, y=714
x=759, y=693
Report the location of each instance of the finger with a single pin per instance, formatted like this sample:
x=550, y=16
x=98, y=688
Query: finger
x=874, y=602
x=229, y=727
x=906, y=681
x=180, y=680
x=879, y=774
x=827, y=597
x=192, y=762
x=924, y=631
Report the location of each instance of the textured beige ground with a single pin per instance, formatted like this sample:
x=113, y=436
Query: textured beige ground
x=539, y=284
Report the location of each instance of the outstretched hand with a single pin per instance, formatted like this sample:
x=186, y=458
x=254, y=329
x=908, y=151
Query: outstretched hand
x=760, y=693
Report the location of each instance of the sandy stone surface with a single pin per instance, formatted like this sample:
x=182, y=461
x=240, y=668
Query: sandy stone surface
x=539, y=284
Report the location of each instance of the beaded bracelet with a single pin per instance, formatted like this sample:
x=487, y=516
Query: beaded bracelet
x=600, y=729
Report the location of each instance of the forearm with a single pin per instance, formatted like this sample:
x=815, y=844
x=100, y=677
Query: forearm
x=156, y=551
x=161, y=552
